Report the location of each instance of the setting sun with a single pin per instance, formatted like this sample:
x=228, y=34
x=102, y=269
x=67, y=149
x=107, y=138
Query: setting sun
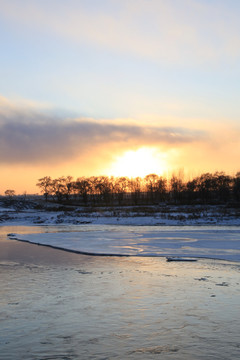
x=140, y=163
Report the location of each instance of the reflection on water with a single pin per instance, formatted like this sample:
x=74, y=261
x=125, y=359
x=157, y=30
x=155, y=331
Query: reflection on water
x=58, y=305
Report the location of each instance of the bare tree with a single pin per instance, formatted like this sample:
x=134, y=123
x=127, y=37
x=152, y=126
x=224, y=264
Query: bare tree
x=162, y=188
x=236, y=186
x=83, y=187
x=151, y=182
x=102, y=189
x=45, y=185
x=60, y=188
x=177, y=187
x=10, y=193
x=135, y=186
x=120, y=188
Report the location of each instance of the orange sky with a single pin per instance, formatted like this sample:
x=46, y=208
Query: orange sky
x=118, y=88
x=35, y=143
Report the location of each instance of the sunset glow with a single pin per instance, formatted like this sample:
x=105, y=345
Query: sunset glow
x=82, y=94
x=141, y=162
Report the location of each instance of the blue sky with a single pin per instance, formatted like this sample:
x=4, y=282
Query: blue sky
x=49, y=56
x=157, y=63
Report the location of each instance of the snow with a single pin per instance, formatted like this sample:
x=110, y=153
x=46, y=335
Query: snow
x=193, y=231
x=206, y=242
x=187, y=216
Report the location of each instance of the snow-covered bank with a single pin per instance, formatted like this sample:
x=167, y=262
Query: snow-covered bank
x=49, y=214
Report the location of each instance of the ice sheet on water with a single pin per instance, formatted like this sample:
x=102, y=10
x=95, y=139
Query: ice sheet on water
x=209, y=242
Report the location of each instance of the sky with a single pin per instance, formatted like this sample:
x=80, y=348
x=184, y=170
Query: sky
x=118, y=87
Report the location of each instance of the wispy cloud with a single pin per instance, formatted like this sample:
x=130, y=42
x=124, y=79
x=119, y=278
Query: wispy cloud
x=179, y=31
x=30, y=136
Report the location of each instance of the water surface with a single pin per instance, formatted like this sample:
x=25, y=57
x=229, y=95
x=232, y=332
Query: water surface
x=59, y=305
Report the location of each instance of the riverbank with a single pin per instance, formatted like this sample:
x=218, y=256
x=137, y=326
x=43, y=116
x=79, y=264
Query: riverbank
x=169, y=215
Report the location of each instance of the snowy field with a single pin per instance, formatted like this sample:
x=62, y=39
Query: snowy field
x=166, y=215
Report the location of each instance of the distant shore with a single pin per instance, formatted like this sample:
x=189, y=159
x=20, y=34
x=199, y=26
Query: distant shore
x=42, y=213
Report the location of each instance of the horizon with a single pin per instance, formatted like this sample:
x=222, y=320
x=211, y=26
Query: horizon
x=121, y=88
x=180, y=175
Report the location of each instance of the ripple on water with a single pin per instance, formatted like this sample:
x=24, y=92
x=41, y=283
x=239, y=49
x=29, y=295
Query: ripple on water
x=156, y=350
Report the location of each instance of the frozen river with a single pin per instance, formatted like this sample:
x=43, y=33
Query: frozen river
x=194, y=241
x=65, y=306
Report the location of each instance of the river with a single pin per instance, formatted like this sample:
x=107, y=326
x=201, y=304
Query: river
x=64, y=306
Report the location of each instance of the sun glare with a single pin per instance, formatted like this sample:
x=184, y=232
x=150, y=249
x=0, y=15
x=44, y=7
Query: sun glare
x=140, y=163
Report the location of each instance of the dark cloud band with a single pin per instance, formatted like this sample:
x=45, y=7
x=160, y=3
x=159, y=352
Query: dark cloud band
x=38, y=138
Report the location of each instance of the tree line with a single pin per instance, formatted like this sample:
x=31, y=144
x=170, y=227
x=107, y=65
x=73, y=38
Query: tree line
x=208, y=188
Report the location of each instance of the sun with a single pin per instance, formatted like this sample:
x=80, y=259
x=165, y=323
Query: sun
x=141, y=162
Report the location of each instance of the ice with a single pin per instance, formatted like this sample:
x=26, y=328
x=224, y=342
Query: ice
x=205, y=241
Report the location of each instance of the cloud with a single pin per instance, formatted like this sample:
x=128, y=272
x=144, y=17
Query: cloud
x=34, y=137
x=179, y=31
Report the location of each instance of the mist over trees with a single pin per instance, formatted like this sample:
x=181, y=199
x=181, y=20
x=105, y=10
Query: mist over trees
x=208, y=188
